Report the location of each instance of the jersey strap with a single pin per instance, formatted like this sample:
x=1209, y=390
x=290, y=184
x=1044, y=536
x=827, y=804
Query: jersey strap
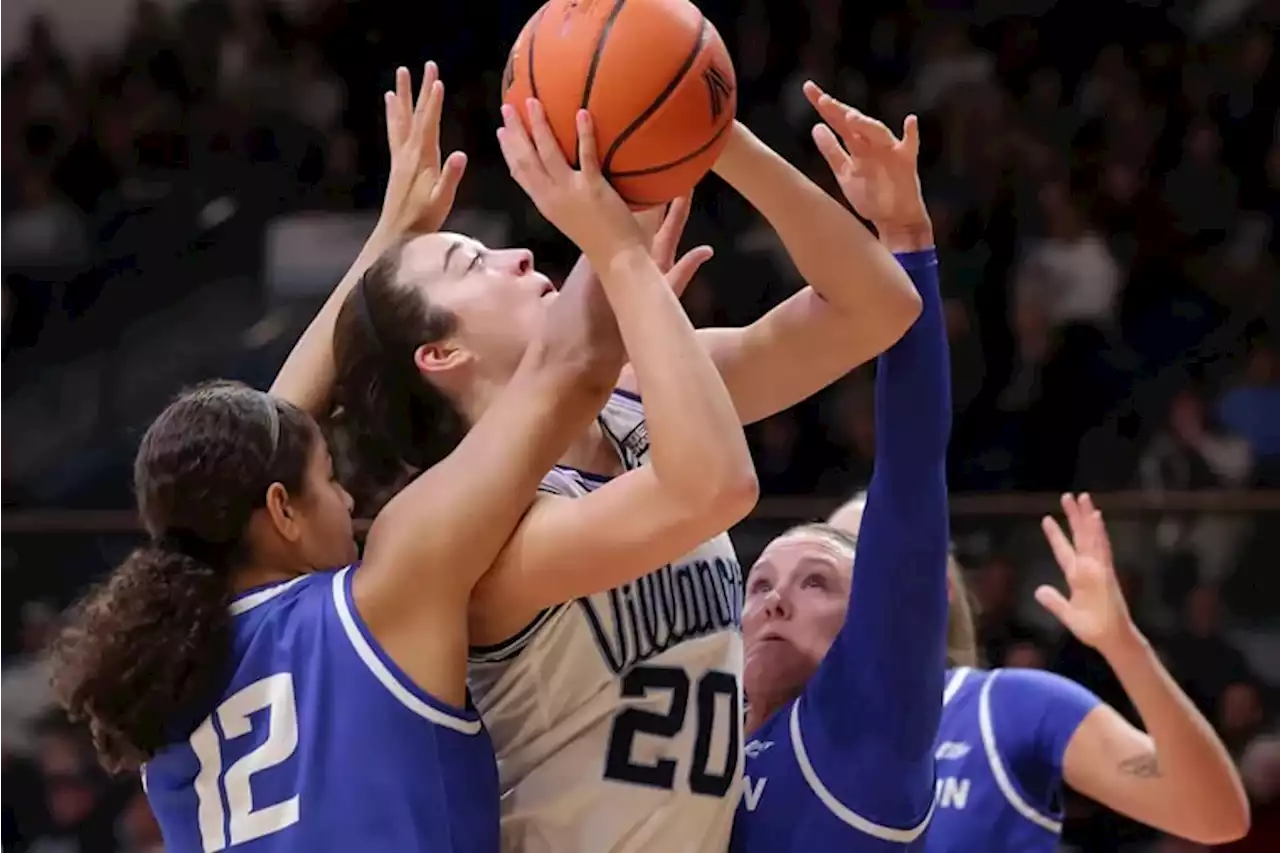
x=839, y=809
x=384, y=669
x=998, y=772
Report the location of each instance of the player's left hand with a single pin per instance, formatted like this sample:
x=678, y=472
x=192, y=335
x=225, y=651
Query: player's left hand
x=420, y=188
x=876, y=170
x=1094, y=609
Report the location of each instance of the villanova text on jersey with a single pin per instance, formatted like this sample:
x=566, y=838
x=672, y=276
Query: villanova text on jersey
x=617, y=717
x=320, y=742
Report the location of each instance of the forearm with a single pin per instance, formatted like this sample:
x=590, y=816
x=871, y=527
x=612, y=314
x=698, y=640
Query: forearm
x=1190, y=761
x=834, y=253
x=902, y=549
x=696, y=441
x=898, y=599
x=306, y=378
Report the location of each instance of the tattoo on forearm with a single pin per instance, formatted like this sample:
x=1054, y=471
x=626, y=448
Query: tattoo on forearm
x=1144, y=766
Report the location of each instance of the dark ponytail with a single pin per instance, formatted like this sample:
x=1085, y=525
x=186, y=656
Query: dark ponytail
x=111, y=674
x=388, y=424
x=145, y=653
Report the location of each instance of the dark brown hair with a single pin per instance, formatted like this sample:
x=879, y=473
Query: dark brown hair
x=145, y=653
x=388, y=423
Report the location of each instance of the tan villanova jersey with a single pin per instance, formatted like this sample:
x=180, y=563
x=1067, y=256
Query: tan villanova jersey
x=616, y=718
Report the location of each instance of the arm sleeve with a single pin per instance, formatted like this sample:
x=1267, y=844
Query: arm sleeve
x=869, y=715
x=1033, y=716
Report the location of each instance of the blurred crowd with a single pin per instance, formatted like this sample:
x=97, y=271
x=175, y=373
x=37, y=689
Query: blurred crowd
x=1104, y=180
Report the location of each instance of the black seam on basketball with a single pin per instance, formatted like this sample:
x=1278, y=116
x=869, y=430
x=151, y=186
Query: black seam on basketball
x=650, y=170
x=599, y=51
x=533, y=35
x=629, y=131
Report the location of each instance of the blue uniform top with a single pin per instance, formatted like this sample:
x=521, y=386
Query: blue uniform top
x=849, y=765
x=999, y=754
x=320, y=742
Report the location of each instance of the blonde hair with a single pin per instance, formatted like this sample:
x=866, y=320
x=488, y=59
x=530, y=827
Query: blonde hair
x=962, y=633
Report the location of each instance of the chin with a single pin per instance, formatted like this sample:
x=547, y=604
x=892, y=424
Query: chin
x=777, y=668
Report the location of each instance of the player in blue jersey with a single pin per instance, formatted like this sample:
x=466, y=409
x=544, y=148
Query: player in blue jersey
x=845, y=660
x=1009, y=738
x=273, y=704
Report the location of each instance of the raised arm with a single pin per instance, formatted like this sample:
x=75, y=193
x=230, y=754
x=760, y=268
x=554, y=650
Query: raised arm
x=419, y=195
x=433, y=541
x=699, y=480
x=857, y=302
x=1177, y=776
x=866, y=706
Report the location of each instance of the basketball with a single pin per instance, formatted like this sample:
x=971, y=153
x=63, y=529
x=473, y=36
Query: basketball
x=655, y=76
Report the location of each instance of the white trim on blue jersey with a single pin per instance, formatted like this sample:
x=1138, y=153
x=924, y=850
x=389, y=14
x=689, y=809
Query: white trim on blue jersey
x=998, y=772
x=953, y=686
x=247, y=602
x=400, y=691
x=839, y=809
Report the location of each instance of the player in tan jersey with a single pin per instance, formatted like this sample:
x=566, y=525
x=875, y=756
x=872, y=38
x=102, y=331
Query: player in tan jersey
x=453, y=318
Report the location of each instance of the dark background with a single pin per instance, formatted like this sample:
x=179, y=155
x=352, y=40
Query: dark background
x=1103, y=179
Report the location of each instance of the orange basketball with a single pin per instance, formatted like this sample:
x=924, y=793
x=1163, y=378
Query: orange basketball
x=654, y=75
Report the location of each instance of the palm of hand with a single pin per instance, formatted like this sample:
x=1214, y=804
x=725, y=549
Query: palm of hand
x=1095, y=604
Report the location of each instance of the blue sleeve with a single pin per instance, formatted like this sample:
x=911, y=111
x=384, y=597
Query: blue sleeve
x=873, y=705
x=1033, y=716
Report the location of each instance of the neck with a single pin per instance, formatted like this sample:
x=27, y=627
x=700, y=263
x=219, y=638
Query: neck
x=479, y=395
x=257, y=575
x=765, y=706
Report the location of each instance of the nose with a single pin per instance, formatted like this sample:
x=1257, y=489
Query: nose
x=517, y=261
x=775, y=606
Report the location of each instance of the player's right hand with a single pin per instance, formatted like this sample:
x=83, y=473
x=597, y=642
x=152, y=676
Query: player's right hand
x=420, y=188
x=580, y=201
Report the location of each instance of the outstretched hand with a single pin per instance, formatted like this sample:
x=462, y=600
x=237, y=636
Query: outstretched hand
x=876, y=170
x=1094, y=608
x=421, y=188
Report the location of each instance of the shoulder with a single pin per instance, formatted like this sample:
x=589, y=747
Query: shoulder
x=1034, y=710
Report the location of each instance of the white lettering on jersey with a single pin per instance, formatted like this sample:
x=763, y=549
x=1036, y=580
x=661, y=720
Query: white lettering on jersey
x=951, y=750
x=952, y=793
x=752, y=791
x=756, y=747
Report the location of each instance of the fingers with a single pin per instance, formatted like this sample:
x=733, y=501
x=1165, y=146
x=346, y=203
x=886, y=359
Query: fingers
x=399, y=109
x=685, y=268
x=667, y=241
x=1101, y=539
x=446, y=188
x=1063, y=553
x=873, y=130
x=1053, y=601
x=831, y=110
x=544, y=141
x=911, y=135
x=831, y=149
x=422, y=107
x=588, y=160
x=517, y=149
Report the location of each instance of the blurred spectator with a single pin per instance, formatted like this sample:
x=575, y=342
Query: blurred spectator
x=1001, y=631
x=25, y=681
x=1204, y=661
x=1189, y=455
x=1252, y=408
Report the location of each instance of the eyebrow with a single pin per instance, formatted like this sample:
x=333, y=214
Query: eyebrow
x=449, y=253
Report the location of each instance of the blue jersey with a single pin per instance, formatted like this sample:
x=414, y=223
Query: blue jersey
x=999, y=757
x=320, y=742
x=848, y=766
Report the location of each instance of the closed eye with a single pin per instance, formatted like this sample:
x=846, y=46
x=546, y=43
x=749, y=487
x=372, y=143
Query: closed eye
x=476, y=260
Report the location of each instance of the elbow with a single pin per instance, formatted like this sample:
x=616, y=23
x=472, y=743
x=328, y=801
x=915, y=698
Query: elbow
x=1220, y=821
x=904, y=309
x=726, y=497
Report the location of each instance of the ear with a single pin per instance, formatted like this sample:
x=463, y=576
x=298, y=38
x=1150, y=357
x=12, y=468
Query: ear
x=284, y=518
x=439, y=357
